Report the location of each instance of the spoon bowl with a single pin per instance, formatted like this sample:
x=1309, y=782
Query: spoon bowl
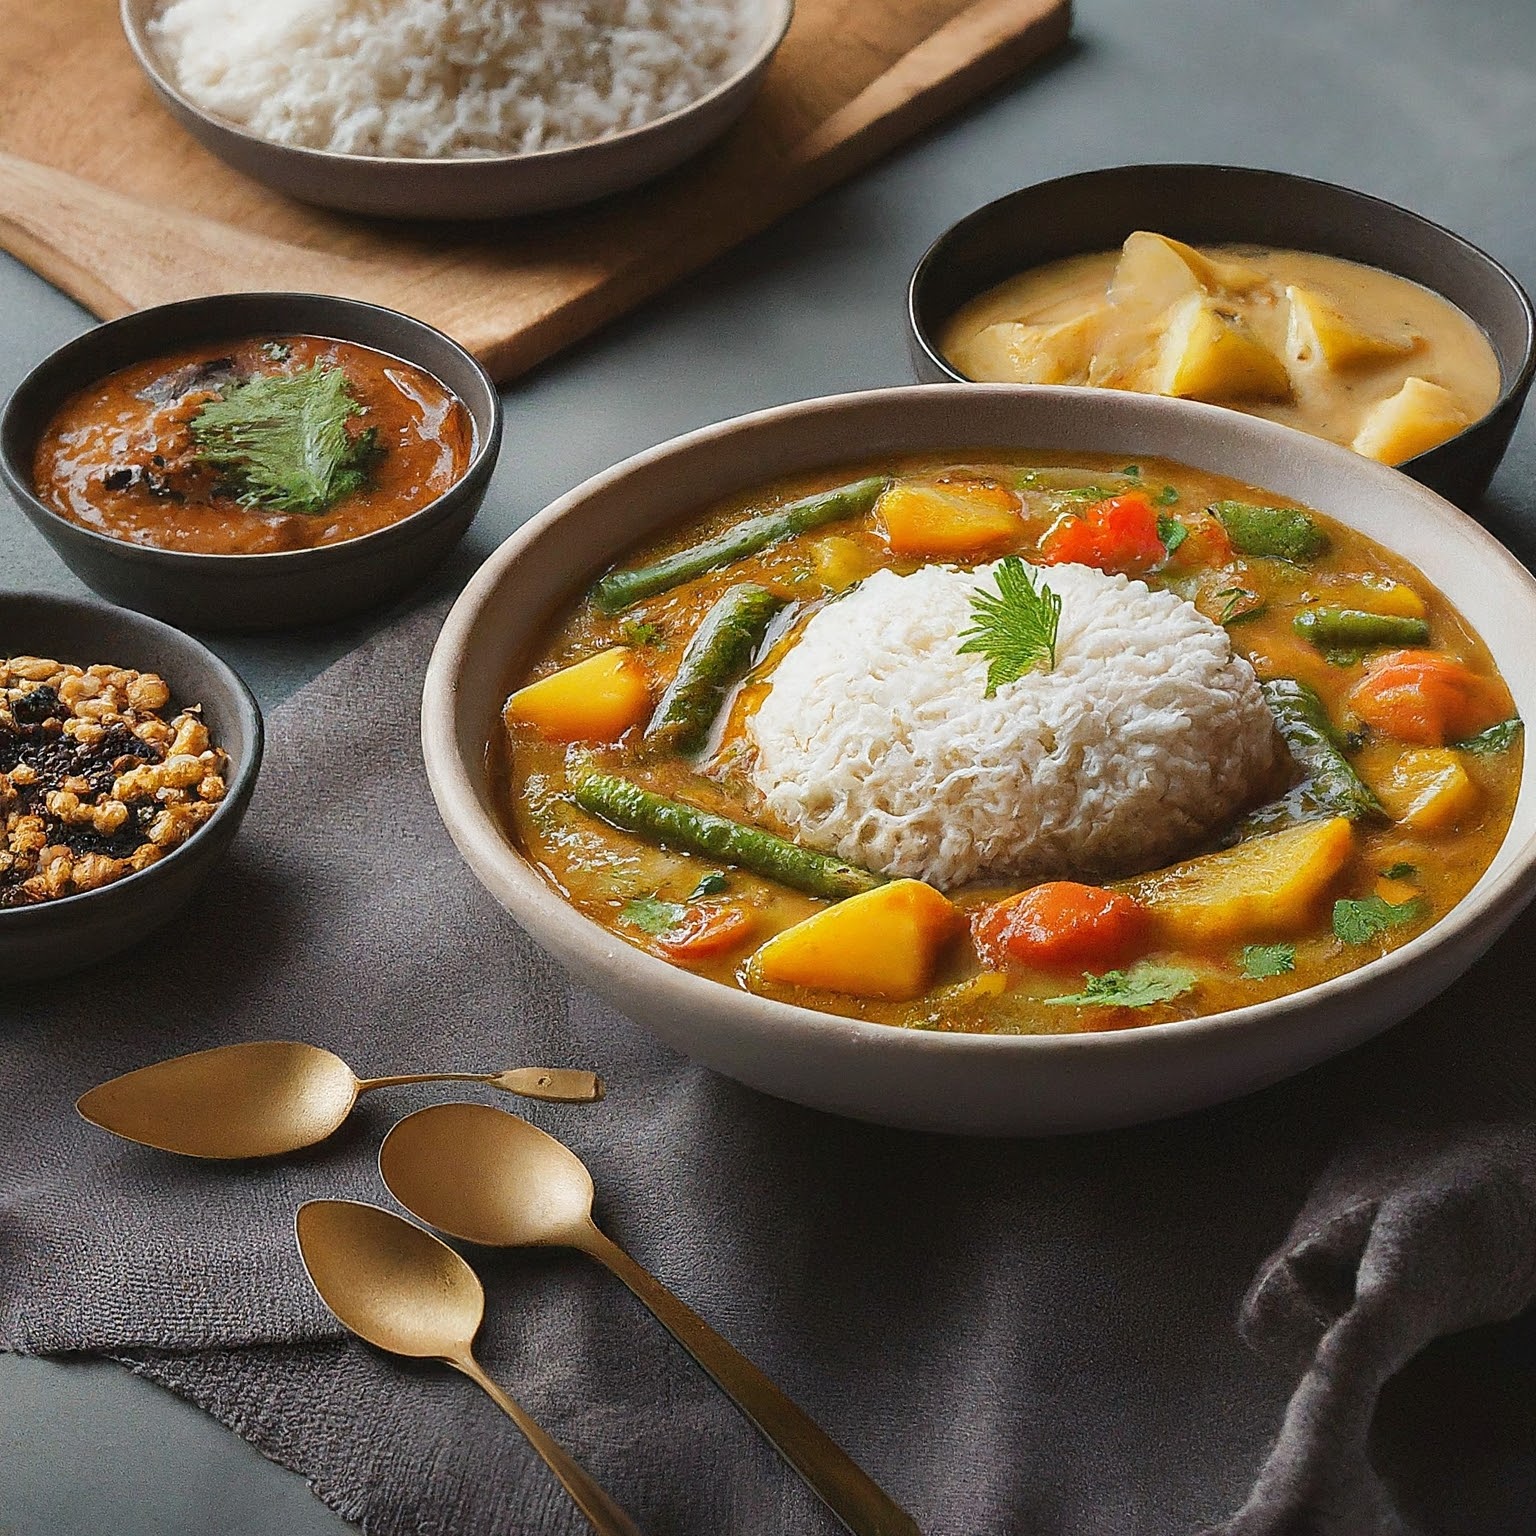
x=395, y=1286
x=260, y=1098
x=489, y=1178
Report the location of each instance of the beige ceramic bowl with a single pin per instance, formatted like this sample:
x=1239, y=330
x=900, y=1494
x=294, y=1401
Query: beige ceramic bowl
x=487, y=187
x=956, y=1082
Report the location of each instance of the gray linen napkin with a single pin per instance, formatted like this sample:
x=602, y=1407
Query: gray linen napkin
x=1013, y=1337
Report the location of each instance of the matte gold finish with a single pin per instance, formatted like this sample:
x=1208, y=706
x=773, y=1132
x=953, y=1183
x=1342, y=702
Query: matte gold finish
x=491, y=1178
x=403, y=1290
x=264, y=1097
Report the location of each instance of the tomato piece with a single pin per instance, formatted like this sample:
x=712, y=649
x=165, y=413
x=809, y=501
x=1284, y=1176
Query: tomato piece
x=705, y=931
x=1061, y=924
x=1425, y=698
x=1118, y=534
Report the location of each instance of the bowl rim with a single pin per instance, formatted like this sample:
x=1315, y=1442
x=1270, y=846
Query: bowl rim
x=18, y=477
x=463, y=166
x=237, y=791
x=1512, y=386
x=486, y=848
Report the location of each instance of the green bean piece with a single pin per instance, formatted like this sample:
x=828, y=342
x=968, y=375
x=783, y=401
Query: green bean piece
x=1344, y=629
x=674, y=824
x=620, y=589
x=719, y=653
x=1331, y=787
x=1283, y=533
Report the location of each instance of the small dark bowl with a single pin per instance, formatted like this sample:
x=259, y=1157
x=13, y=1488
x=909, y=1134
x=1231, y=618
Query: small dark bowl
x=53, y=937
x=1220, y=204
x=265, y=591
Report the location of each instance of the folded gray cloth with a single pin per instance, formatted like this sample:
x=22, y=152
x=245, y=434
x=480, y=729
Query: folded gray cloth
x=1012, y=1337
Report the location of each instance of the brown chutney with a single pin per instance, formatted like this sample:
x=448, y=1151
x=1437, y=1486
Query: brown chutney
x=119, y=456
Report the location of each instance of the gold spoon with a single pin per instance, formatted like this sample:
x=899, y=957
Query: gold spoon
x=264, y=1097
x=403, y=1290
x=489, y=1177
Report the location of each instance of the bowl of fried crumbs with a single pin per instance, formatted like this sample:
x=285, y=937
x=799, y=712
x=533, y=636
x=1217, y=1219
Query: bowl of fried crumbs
x=128, y=753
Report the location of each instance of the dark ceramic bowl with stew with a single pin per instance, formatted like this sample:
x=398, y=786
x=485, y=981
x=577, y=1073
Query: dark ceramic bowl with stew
x=50, y=937
x=1232, y=205
x=274, y=588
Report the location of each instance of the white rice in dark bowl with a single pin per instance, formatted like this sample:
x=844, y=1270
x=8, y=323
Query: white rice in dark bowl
x=877, y=742
x=449, y=79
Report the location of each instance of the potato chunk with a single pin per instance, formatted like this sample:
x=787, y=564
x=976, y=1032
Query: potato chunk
x=1319, y=332
x=595, y=700
x=949, y=520
x=1155, y=272
x=1428, y=790
x=884, y=943
x=1013, y=352
x=1420, y=416
x=1208, y=353
x=1268, y=887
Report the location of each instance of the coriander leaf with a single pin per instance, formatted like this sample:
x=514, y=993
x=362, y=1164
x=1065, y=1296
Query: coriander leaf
x=1133, y=470
x=1261, y=961
x=1168, y=496
x=1171, y=531
x=1241, y=603
x=1139, y=987
x=281, y=440
x=650, y=914
x=1360, y=921
x=1015, y=629
x=1400, y=872
x=1497, y=738
x=633, y=632
x=712, y=884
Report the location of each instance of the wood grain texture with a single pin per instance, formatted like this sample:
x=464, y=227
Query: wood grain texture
x=108, y=198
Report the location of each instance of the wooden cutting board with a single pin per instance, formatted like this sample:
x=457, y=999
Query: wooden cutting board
x=104, y=195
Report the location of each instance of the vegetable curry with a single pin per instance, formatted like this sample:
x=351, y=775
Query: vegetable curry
x=621, y=763
x=271, y=444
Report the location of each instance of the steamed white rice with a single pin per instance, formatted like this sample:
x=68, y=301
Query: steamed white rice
x=449, y=78
x=877, y=742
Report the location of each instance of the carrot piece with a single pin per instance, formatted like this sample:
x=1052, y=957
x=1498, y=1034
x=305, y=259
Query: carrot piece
x=1118, y=534
x=1425, y=698
x=705, y=931
x=1061, y=924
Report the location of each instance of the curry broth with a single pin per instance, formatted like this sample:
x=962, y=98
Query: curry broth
x=599, y=868
x=1443, y=345
x=117, y=427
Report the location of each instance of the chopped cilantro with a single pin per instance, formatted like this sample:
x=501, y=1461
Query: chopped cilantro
x=712, y=884
x=1497, y=738
x=1261, y=961
x=1168, y=496
x=634, y=632
x=1015, y=628
x=1139, y=987
x=650, y=914
x=1171, y=531
x=1241, y=603
x=1358, y=921
x=1133, y=471
x=1401, y=872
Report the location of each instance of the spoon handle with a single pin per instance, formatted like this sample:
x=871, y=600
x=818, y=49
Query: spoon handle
x=589, y=1496
x=555, y=1085
x=846, y=1489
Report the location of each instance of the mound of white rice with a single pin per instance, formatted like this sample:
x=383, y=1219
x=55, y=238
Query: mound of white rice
x=877, y=742
x=448, y=78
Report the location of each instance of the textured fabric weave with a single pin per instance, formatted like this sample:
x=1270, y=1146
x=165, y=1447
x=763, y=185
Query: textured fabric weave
x=1024, y=1337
